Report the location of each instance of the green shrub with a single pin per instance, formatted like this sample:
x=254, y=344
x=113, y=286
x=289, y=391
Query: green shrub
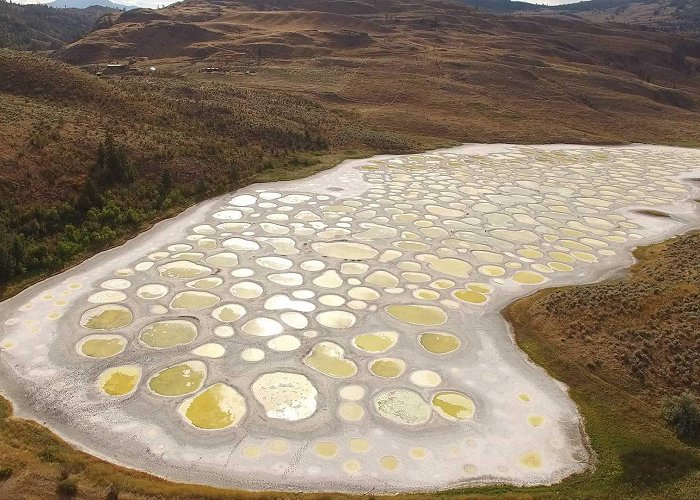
x=682, y=413
x=50, y=454
x=67, y=488
x=112, y=493
x=5, y=473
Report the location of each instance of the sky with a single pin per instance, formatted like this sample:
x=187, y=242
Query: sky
x=155, y=3
x=137, y=3
x=551, y=2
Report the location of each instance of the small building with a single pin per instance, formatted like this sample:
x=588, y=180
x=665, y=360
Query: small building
x=115, y=69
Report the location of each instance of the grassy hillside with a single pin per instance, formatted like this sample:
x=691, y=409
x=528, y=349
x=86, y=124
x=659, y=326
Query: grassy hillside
x=84, y=4
x=512, y=6
x=40, y=27
x=621, y=346
x=430, y=68
x=667, y=15
x=55, y=205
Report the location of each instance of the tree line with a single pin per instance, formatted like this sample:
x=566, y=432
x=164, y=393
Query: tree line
x=110, y=202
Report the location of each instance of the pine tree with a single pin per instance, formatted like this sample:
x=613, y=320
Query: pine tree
x=165, y=184
x=7, y=263
x=89, y=197
x=12, y=254
x=112, y=165
x=234, y=173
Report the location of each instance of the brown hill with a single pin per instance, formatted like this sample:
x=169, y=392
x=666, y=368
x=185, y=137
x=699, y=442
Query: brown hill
x=666, y=15
x=42, y=27
x=434, y=68
x=185, y=140
x=52, y=80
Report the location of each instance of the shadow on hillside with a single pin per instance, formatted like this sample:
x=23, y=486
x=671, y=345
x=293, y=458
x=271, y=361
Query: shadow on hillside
x=654, y=467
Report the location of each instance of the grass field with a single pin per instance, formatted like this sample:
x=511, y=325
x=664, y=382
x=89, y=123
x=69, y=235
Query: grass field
x=588, y=337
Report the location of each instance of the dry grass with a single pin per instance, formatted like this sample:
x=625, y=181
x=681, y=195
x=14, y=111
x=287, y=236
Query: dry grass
x=642, y=331
x=433, y=69
x=308, y=80
x=620, y=345
x=55, y=116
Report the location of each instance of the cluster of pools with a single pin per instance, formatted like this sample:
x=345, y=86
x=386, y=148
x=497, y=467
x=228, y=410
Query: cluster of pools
x=340, y=332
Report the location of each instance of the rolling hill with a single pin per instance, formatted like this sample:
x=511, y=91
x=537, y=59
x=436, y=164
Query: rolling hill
x=40, y=27
x=240, y=87
x=56, y=116
x=488, y=77
x=84, y=4
x=668, y=15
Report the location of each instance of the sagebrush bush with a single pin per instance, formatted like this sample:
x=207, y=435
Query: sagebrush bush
x=682, y=413
x=5, y=473
x=67, y=488
x=645, y=327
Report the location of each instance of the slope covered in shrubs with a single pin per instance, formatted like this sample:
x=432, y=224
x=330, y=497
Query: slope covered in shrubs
x=203, y=138
x=629, y=350
x=41, y=27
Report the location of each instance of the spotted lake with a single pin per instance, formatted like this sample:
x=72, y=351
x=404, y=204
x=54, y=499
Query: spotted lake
x=342, y=332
